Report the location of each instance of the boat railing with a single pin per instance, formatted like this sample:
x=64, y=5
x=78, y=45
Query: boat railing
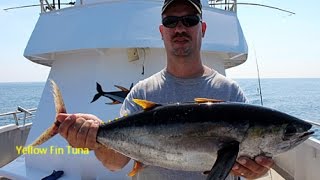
x=21, y=114
x=313, y=123
x=228, y=5
x=46, y=6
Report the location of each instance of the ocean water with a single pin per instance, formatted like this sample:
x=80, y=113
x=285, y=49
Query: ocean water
x=12, y=95
x=297, y=97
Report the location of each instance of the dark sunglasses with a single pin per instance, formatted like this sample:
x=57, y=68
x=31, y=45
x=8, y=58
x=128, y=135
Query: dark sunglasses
x=187, y=21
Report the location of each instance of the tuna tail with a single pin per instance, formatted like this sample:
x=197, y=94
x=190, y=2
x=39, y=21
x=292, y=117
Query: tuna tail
x=99, y=94
x=226, y=158
x=60, y=108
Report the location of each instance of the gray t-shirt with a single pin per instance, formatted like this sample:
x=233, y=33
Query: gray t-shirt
x=164, y=88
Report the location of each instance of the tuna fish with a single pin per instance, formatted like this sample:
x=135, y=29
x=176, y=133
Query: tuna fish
x=194, y=136
x=199, y=136
x=117, y=97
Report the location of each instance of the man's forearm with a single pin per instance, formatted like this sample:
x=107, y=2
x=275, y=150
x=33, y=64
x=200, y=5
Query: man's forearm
x=111, y=159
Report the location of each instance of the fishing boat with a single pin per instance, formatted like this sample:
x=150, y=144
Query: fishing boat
x=115, y=44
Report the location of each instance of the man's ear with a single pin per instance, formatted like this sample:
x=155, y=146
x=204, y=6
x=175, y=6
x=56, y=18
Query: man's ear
x=161, y=30
x=204, y=28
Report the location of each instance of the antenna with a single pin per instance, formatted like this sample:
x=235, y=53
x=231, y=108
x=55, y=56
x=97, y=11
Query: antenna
x=216, y=2
x=260, y=92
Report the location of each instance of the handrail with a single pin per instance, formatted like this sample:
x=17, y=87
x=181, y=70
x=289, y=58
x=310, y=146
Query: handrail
x=27, y=113
x=313, y=123
x=232, y=6
x=228, y=5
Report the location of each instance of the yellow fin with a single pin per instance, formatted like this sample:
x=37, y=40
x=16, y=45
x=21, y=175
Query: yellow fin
x=122, y=88
x=136, y=168
x=144, y=103
x=205, y=100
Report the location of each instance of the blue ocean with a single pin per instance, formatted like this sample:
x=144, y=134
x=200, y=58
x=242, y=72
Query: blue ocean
x=12, y=95
x=297, y=97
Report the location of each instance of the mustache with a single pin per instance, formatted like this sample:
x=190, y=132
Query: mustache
x=183, y=34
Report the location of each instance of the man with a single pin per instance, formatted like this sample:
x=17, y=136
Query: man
x=183, y=79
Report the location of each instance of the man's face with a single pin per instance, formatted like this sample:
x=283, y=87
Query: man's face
x=182, y=40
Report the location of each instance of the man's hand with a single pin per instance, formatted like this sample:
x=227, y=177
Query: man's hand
x=252, y=169
x=80, y=130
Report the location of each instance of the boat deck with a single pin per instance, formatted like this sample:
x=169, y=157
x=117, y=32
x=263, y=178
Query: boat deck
x=272, y=175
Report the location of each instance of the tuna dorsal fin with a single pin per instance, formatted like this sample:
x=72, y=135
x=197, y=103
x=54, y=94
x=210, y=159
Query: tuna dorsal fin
x=145, y=104
x=206, y=100
x=121, y=88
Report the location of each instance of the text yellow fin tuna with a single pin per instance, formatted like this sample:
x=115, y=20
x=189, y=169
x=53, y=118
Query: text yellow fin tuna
x=144, y=103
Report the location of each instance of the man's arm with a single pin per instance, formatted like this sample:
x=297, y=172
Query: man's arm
x=111, y=159
x=80, y=130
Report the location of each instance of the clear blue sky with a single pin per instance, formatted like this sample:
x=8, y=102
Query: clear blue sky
x=286, y=46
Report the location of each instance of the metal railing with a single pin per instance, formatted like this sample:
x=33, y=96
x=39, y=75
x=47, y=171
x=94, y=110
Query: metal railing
x=231, y=5
x=46, y=6
x=313, y=123
x=228, y=5
x=21, y=114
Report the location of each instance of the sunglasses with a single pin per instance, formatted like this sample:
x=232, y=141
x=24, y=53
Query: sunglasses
x=187, y=21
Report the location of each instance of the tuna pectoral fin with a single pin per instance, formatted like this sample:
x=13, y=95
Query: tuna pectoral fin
x=225, y=161
x=137, y=166
x=114, y=101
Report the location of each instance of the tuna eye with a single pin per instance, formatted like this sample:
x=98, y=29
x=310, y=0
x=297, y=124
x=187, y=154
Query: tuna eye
x=290, y=130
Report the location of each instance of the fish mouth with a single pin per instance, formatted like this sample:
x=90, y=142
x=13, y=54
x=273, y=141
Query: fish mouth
x=306, y=135
x=303, y=137
x=297, y=138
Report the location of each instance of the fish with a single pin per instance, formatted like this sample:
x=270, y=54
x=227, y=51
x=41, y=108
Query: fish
x=117, y=97
x=205, y=135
